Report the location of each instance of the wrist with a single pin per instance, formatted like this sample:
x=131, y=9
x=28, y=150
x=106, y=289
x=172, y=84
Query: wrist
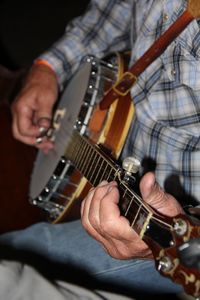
x=42, y=68
x=41, y=77
x=42, y=62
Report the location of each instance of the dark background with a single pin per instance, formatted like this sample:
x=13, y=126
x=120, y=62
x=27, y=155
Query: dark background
x=29, y=27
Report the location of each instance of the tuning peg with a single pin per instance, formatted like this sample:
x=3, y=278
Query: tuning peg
x=189, y=253
x=131, y=165
x=180, y=226
x=165, y=264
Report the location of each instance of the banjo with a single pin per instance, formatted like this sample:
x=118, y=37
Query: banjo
x=59, y=179
x=88, y=142
x=57, y=183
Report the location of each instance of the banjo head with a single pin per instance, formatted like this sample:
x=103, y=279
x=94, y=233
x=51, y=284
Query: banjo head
x=52, y=171
x=64, y=121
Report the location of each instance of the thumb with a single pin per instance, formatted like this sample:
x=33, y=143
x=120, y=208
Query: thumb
x=152, y=192
x=155, y=196
x=147, y=186
x=44, y=123
x=44, y=115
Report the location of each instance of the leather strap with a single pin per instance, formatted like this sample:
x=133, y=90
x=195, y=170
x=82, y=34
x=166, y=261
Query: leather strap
x=124, y=84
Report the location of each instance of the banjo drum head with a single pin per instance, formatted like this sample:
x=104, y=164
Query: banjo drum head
x=68, y=109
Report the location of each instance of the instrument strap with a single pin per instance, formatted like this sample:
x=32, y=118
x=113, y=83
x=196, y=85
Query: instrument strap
x=129, y=78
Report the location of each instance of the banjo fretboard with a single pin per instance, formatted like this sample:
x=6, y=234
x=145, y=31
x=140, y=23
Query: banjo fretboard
x=96, y=166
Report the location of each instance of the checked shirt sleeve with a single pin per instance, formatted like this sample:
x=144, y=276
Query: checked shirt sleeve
x=104, y=28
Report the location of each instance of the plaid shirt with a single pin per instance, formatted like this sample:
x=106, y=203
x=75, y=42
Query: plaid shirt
x=165, y=131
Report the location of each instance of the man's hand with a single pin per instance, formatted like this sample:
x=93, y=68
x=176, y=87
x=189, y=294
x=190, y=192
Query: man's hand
x=102, y=220
x=32, y=109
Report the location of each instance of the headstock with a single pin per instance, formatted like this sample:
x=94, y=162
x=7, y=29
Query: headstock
x=165, y=236
x=168, y=260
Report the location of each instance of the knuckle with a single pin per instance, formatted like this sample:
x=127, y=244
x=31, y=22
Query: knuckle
x=107, y=227
x=93, y=220
x=84, y=222
x=99, y=191
x=22, y=130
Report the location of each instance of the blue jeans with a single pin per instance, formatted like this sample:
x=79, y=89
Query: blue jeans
x=69, y=244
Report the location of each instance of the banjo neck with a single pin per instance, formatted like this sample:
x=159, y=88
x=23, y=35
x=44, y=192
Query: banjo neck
x=96, y=166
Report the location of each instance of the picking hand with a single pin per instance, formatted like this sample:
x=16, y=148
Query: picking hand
x=32, y=108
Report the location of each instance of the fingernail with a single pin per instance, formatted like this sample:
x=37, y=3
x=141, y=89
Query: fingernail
x=110, y=188
x=102, y=183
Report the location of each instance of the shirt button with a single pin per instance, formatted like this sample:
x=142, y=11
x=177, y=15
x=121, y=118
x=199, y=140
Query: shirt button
x=173, y=72
x=165, y=17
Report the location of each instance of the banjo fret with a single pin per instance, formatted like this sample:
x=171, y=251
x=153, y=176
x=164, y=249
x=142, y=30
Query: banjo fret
x=88, y=159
